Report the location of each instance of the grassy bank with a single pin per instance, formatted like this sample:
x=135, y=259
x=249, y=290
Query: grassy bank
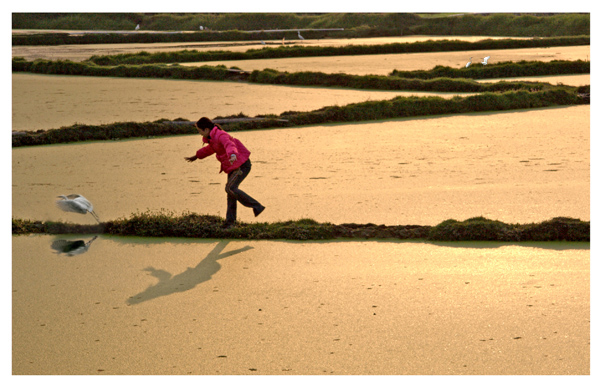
x=440, y=79
x=399, y=107
x=414, y=106
x=164, y=224
x=187, y=56
x=121, y=130
x=501, y=70
x=230, y=26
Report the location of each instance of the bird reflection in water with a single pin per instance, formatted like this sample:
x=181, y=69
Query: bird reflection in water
x=72, y=247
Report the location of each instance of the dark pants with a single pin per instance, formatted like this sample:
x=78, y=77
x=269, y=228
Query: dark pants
x=234, y=194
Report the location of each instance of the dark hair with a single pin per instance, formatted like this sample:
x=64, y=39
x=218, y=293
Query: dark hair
x=205, y=123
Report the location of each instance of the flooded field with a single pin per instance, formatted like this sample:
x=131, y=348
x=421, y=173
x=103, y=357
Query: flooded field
x=169, y=306
x=178, y=306
x=521, y=166
x=80, y=52
x=567, y=80
x=52, y=101
x=384, y=64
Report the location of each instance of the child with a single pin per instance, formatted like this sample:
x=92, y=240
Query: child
x=235, y=161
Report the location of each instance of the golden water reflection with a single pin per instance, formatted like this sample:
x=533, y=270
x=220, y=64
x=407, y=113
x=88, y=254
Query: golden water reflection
x=52, y=101
x=351, y=307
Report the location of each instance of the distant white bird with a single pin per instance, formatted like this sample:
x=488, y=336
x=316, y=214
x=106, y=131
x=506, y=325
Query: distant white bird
x=262, y=42
x=300, y=36
x=137, y=27
x=485, y=60
x=201, y=28
x=468, y=64
x=76, y=203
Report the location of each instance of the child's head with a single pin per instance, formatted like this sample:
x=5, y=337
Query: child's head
x=204, y=126
x=205, y=123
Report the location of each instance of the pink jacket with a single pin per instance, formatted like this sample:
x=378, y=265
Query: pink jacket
x=224, y=145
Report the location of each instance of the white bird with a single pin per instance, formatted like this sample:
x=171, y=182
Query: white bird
x=485, y=60
x=201, y=28
x=262, y=42
x=76, y=203
x=468, y=64
x=137, y=27
x=300, y=36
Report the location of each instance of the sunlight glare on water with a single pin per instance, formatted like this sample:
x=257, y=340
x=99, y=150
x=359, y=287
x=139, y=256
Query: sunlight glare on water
x=177, y=306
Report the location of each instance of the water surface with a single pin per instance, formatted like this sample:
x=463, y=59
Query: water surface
x=384, y=64
x=517, y=167
x=80, y=52
x=53, y=101
x=178, y=306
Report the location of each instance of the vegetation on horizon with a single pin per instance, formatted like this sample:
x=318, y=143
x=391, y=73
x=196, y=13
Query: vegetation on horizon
x=167, y=224
x=231, y=26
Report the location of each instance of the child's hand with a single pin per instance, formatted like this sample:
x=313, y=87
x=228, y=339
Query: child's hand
x=190, y=159
x=232, y=159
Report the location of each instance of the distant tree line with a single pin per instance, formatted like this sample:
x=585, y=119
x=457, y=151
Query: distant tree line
x=231, y=26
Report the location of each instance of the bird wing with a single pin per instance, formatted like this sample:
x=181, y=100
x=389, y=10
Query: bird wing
x=70, y=206
x=84, y=203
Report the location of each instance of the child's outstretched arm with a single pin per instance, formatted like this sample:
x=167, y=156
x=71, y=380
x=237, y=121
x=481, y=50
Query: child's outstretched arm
x=202, y=153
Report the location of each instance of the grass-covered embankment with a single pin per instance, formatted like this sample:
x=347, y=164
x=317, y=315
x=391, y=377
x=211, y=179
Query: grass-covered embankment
x=399, y=107
x=114, y=131
x=204, y=226
x=501, y=70
x=456, y=81
x=438, y=79
x=67, y=67
x=187, y=56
